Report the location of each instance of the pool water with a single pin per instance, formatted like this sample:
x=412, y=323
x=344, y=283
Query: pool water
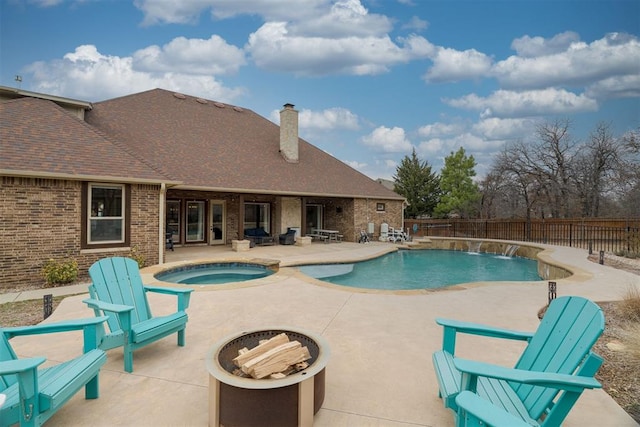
x=425, y=269
x=214, y=274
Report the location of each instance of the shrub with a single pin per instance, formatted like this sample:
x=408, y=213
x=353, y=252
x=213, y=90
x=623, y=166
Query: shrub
x=137, y=256
x=633, y=341
x=628, y=254
x=630, y=305
x=60, y=272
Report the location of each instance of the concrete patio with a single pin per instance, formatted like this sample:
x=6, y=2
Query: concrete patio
x=379, y=372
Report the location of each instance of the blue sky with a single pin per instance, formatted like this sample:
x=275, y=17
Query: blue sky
x=372, y=79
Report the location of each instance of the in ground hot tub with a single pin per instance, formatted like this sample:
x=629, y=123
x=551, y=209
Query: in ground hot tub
x=290, y=401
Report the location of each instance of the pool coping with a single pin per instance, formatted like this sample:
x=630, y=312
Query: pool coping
x=287, y=268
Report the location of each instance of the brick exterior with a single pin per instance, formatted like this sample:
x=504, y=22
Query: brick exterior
x=366, y=212
x=41, y=220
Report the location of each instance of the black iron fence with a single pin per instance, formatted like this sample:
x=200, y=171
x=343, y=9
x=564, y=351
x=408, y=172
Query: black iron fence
x=598, y=234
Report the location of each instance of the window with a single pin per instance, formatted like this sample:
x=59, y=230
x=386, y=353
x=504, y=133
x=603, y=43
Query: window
x=256, y=215
x=106, y=214
x=380, y=207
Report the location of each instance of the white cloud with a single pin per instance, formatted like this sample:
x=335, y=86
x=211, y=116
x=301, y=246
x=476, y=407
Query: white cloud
x=88, y=74
x=329, y=119
x=439, y=129
x=431, y=146
x=580, y=64
x=189, y=11
x=191, y=56
x=345, y=18
x=273, y=48
x=356, y=164
x=450, y=65
x=505, y=103
x=389, y=140
x=325, y=120
x=417, y=24
x=502, y=129
x=46, y=3
x=615, y=87
x=530, y=47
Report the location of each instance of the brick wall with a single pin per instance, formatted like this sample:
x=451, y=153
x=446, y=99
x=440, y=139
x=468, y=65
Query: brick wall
x=366, y=212
x=41, y=220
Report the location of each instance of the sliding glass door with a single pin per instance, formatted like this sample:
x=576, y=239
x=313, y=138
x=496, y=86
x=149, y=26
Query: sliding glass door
x=195, y=221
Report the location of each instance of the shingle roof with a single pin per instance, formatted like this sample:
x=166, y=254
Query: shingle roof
x=210, y=145
x=40, y=138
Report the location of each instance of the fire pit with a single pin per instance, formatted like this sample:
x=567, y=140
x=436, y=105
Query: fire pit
x=288, y=401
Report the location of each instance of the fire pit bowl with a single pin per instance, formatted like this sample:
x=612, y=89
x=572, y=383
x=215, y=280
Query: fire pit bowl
x=289, y=401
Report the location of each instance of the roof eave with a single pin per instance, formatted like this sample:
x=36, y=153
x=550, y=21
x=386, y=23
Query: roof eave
x=57, y=99
x=81, y=177
x=283, y=193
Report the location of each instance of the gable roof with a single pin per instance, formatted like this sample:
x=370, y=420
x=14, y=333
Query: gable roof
x=220, y=147
x=40, y=138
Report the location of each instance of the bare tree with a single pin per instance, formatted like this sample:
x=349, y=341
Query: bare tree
x=593, y=168
x=627, y=175
x=552, y=160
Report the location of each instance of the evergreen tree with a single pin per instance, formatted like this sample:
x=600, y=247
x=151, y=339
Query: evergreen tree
x=459, y=193
x=418, y=184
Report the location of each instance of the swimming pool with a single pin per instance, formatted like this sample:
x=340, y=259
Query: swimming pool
x=425, y=269
x=214, y=273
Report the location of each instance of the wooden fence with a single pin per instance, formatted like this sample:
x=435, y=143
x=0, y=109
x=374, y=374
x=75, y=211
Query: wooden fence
x=596, y=234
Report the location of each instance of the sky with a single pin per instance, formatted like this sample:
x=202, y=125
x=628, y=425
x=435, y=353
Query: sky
x=372, y=80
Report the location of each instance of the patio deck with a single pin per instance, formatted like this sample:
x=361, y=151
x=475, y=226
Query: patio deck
x=380, y=371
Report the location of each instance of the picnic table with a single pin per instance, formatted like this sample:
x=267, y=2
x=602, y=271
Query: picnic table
x=326, y=235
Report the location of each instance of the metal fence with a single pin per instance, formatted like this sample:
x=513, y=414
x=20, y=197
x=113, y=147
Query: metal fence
x=598, y=234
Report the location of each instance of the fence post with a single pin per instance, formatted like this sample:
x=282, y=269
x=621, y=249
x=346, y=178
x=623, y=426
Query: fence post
x=590, y=247
x=570, y=235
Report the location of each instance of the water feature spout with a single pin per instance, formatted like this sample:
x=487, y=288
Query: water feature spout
x=474, y=246
x=510, y=250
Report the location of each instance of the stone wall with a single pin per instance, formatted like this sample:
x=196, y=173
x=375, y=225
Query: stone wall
x=290, y=214
x=41, y=220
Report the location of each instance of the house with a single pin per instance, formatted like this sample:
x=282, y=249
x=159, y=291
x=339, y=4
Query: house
x=85, y=181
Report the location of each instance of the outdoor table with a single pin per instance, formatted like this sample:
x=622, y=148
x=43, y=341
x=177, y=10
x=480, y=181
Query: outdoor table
x=332, y=235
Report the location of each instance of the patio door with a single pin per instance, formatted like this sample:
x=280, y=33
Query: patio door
x=217, y=221
x=195, y=221
x=314, y=217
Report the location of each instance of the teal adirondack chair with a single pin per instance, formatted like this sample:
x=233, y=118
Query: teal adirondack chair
x=33, y=395
x=118, y=292
x=551, y=374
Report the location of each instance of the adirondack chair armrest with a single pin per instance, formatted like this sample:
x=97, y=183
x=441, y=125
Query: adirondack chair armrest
x=89, y=326
x=63, y=326
x=182, y=294
x=452, y=327
x=472, y=369
x=479, y=412
x=107, y=306
x=20, y=365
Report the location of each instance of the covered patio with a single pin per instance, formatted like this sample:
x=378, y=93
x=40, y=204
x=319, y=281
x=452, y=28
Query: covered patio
x=379, y=372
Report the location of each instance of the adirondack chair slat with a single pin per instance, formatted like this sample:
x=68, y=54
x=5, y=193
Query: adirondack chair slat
x=553, y=370
x=6, y=353
x=499, y=391
x=580, y=334
x=117, y=291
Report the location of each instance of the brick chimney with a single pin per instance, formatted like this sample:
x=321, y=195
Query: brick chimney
x=289, y=133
